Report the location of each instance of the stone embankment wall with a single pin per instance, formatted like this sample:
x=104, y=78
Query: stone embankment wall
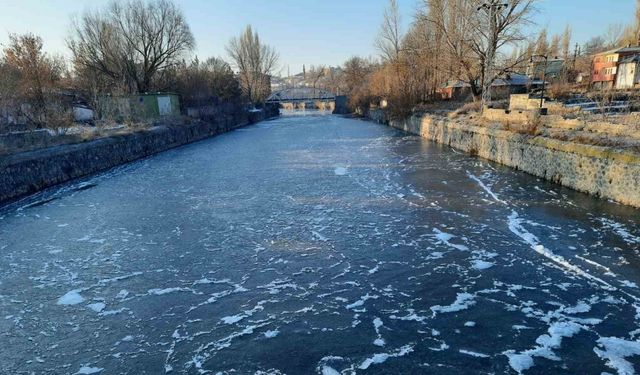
x=28, y=172
x=601, y=171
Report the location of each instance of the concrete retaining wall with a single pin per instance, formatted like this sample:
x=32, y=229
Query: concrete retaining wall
x=600, y=171
x=28, y=172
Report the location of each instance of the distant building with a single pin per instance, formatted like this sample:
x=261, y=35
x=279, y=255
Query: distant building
x=143, y=106
x=501, y=88
x=628, y=75
x=605, y=66
x=553, y=70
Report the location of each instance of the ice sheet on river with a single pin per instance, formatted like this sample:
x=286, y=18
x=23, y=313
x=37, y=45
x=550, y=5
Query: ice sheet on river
x=318, y=244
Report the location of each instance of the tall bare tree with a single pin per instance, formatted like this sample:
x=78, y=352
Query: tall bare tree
x=316, y=73
x=475, y=31
x=255, y=62
x=566, y=42
x=389, y=37
x=36, y=82
x=554, y=46
x=542, y=43
x=131, y=42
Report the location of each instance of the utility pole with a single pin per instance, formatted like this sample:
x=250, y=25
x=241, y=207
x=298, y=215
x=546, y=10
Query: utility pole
x=493, y=9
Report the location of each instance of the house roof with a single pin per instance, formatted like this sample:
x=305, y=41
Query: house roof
x=510, y=79
x=635, y=49
x=628, y=49
x=631, y=59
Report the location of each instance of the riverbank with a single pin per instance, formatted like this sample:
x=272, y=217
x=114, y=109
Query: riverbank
x=25, y=173
x=605, y=172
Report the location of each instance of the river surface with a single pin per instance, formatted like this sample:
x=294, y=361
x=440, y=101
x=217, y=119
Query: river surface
x=317, y=244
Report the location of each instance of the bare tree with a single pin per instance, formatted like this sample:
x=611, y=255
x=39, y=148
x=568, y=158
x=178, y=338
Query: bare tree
x=475, y=31
x=315, y=74
x=542, y=43
x=36, y=82
x=554, y=47
x=204, y=83
x=255, y=62
x=389, y=37
x=614, y=35
x=131, y=42
x=636, y=25
x=566, y=42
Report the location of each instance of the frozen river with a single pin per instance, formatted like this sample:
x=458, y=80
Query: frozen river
x=318, y=245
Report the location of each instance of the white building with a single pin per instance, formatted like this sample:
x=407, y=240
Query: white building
x=628, y=75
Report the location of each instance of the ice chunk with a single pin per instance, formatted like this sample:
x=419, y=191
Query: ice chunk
x=520, y=362
x=72, y=297
x=85, y=370
x=97, y=307
x=340, y=171
x=481, y=264
x=326, y=370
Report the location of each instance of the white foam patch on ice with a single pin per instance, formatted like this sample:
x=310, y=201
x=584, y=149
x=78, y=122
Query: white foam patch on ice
x=271, y=333
x=615, y=351
x=86, y=370
x=232, y=319
x=382, y=357
x=474, y=354
x=480, y=264
x=326, y=370
x=340, y=171
x=485, y=188
x=319, y=236
x=546, y=344
x=159, y=292
x=621, y=230
x=361, y=301
x=463, y=301
x=122, y=294
x=377, y=323
x=515, y=226
x=72, y=297
x=446, y=238
x=520, y=362
x=97, y=307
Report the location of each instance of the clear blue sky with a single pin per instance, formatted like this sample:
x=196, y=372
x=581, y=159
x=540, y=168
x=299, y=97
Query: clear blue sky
x=303, y=31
